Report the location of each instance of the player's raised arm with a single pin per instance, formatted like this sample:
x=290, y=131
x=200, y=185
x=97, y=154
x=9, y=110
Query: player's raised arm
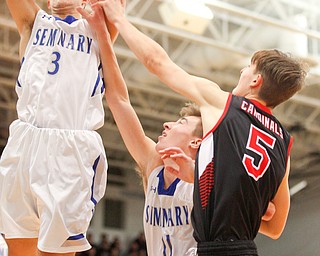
x=141, y=148
x=113, y=31
x=152, y=55
x=23, y=13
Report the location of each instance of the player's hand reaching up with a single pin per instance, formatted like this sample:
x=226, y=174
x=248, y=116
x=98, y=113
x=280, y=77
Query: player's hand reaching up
x=113, y=9
x=95, y=18
x=178, y=163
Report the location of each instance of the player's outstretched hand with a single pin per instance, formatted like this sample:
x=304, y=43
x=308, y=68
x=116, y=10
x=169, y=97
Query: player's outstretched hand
x=113, y=9
x=178, y=163
x=95, y=17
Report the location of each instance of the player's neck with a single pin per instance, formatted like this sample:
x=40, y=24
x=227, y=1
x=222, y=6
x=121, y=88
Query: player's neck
x=262, y=102
x=168, y=178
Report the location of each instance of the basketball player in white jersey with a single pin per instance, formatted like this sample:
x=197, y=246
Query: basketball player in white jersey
x=168, y=200
x=53, y=169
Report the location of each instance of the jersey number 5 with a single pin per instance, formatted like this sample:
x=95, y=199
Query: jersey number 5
x=256, y=136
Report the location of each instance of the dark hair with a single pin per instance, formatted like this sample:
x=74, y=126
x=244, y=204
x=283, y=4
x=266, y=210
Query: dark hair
x=191, y=109
x=282, y=75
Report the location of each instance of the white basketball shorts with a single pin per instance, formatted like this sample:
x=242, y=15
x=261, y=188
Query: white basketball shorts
x=50, y=182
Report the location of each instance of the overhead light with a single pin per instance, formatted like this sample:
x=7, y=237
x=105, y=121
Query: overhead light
x=190, y=15
x=295, y=42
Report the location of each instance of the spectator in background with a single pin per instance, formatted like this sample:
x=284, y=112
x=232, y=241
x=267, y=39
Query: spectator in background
x=141, y=241
x=92, y=251
x=115, y=247
x=138, y=246
x=103, y=248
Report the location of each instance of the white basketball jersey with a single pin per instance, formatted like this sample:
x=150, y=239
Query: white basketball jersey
x=59, y=85
x=167, y=216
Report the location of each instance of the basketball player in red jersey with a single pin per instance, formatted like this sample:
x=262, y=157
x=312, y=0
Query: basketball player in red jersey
x=243, y=161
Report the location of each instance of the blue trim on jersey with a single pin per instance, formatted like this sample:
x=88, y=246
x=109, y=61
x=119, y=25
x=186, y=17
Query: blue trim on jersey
x=103, y=86
x=164, y=252
x=100, y=66
x=171, y=189
x=102, y=79
x=69, y=19
x=169, y=243
x=18, y=83
x=76, y=237
x=96, y=85
x=94, y=167
x=164, y=247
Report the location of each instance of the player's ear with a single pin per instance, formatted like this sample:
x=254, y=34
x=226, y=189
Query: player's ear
x=257, y=81
x=195, y=143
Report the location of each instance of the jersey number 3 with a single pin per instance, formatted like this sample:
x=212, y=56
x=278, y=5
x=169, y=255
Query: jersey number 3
x=256, y=136
x=55, y=63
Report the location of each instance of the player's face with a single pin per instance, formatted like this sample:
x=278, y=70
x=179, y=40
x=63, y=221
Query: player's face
x=247, y=76
x=179, y=133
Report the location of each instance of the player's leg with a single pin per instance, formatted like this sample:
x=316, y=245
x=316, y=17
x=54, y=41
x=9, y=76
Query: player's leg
x=18, y=211
x=65, y=215
x=22, y=246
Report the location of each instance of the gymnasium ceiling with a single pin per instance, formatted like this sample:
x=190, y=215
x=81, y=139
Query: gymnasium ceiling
x=239, y=28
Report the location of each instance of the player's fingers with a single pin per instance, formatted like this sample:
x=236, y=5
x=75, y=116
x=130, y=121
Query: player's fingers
x=164, y=156
x=96, y=3
x=171, y=150
x=166, y=152
x=172, y=170
x=179, y=155
x=83, y=12
x=123, y=3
